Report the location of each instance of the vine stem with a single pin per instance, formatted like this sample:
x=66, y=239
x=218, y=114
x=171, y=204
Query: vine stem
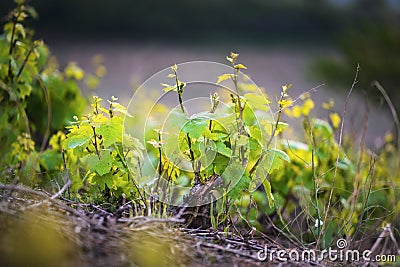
x=195, y=170
x=10, y=52
x=181, y=101
x=235, y=82
x=68, y=180
x=160, y=166
x=271, y=137
x=316, y=188
x=25, y=61
x=95, y=142
x=123, y=160
x=180, y=91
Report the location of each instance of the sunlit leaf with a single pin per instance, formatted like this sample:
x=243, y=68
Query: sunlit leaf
x=195, y=127
x=236, y=176
x=100, y=166
x=256, y=101
x=275, y=159
x=322, y=127
x=224, y=77
x=240, y=66
x=268, y=191
x=110, y=131
x=168, y=88
x=76, y=140
x=223, y=149
x=285, y=103
x=286, y=87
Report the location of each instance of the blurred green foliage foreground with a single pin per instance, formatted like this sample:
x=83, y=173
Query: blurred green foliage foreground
x=318, y=185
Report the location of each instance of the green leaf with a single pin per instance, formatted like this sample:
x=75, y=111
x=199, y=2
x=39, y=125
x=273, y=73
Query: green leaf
x=224, y=77
x=296, y=145
x=255, y=147
x=286, y=87
x=19, y=28
x=345, y=164
x=243, y=184
x=241, y=140
x=168, y=87
x=99, y=119
x=195, y=127
x=103, y=180
x=255, y=132
x=102, y=166
x=268, y=191
x=220, y=163
x=256, y=101
x=249, y=117
x=237, y=178
x=24, y=90
x=275, y=158
x=323, y=128
x=111, y=131
x=76, y=139
x=208, y=134
x=223, y=149
x=132, y=143
x=249, y=87
x=281, y=154
x=177, y=118
x=51, y=160
x=117, y=107
x=280, y=127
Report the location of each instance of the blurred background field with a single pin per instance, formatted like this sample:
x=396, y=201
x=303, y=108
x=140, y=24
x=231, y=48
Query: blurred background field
x=316, y=45
x=307, y=43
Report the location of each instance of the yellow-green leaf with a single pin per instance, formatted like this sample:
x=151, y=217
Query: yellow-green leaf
x=286, y=87
x=240, y=66
x=268, y=191
x=102, y=166
x=285, y=103
x=224, y=77
x=256, y=101
x=168, y=88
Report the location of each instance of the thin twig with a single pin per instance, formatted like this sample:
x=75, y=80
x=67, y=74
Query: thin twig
x=392, y=110
x=67, y=180
x=230, y=250
x=355, y=193
x=59, y=193
x=338, y=156
x=25, y=61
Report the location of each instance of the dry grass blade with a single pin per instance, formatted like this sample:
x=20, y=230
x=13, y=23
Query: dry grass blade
x=338, y=156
